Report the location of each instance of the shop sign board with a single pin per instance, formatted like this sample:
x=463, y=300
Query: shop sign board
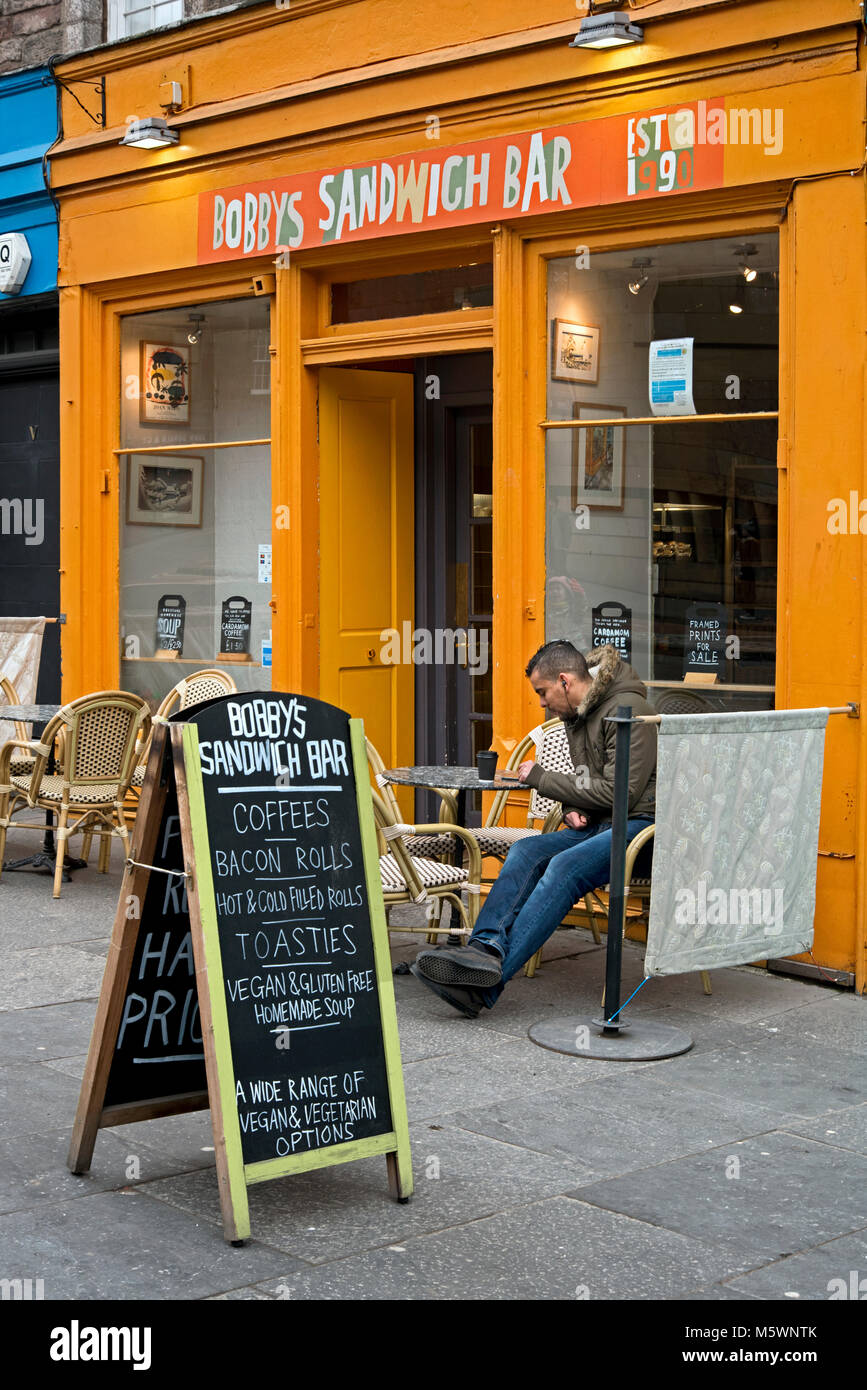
x=14, y=262
x=249, y=970
x=584, y=164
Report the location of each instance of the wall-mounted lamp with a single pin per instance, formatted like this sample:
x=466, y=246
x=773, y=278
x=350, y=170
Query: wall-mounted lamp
x=611, y=30
x=747, y=271
x=150, y=134
x=637, y=283
x=197, y=328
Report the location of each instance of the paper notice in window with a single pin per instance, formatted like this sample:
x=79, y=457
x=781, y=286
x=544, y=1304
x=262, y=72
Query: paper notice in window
x=670, y=383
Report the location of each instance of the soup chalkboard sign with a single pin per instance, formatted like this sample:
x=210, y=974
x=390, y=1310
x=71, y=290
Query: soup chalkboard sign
x=294, y=1002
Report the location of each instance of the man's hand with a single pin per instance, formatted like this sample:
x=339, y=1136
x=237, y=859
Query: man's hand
x=576, y=820
x=524, y=769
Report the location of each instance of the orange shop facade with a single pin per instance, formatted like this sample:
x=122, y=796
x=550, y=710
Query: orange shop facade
x=378, y=377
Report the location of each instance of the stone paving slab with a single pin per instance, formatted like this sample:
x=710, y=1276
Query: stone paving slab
x=846, y=1129
x=621, y=1123
x=33, y=1167
x=125, y=1245
x=718, y=1293
x=554, y=1249
x=789, y=1195
x=336, y=1212
x=34, y=1097
x=500, y=1070
x=40, y=1035
x=815, y=1274
x=798, y=1077
x=49, y=975
x=838, y=1021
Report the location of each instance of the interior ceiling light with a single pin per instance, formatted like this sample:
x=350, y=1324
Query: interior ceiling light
x=737, y=305
x=637, y=283
x=747, y=271
x=197, y=326
x=611, y=30
x=150, y=134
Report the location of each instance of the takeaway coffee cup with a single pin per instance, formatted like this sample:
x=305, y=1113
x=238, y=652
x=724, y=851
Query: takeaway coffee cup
x=487, y=766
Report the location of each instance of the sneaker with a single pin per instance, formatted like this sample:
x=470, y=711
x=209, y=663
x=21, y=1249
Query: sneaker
x=460, y=965
x=466, y=1001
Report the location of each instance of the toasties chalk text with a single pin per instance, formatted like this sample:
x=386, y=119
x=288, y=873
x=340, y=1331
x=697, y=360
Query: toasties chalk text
x=412, y=190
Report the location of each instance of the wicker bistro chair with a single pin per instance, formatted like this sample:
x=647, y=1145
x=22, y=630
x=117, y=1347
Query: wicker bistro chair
x=201, y=685
x=407, y=877
x=101, y=732
x=549, y=746
x=22, y=761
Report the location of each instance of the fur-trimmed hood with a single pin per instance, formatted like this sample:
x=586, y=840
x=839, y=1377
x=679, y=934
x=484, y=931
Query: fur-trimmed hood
x=591, y=737
x=611, y=675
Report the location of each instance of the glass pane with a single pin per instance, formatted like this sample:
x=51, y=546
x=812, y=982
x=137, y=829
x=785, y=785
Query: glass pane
x=482, y=575
x=482, y=466
x=662, y=539
x=428, y=292
x=196, y=524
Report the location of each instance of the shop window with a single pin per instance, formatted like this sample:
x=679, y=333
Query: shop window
x=662, y=535
x=195, y=496
x=402, y=296
x=129, y=17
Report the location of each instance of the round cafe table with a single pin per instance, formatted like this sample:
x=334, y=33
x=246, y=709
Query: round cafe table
x=453, y=778
x=459, y=779
x=45, y=858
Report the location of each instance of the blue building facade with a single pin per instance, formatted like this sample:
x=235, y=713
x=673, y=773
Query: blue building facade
x=29, y=365
x=28, y=126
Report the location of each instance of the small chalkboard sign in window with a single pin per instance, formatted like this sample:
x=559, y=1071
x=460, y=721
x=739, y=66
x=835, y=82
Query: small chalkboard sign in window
x=612, y=626
x=275, y=902
x=236, y=617
x=705, y=637
x=171, y=615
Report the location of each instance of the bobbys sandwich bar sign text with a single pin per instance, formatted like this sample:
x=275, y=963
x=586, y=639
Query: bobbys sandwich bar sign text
x=579, y=165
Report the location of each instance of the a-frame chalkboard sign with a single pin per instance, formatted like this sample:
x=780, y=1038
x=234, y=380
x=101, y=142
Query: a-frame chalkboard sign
x=249, y=967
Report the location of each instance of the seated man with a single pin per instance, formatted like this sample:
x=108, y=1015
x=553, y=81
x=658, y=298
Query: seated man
x=544, y=875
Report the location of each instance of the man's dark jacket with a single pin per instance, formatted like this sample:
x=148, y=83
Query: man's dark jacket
x=591, y=742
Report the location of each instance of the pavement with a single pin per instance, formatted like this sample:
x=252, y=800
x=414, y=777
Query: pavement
x=733, y=1172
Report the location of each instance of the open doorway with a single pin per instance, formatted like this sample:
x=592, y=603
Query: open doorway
x=406, y=596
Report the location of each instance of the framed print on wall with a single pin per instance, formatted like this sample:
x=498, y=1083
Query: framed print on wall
x=575, y=352
x=164, y=490
x=164, y=386
x=598, y=458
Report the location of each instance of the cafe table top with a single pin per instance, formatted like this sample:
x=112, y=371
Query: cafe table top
x=461, y=778
x=29, y=714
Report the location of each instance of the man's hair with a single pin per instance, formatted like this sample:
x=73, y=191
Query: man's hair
x=555, y=657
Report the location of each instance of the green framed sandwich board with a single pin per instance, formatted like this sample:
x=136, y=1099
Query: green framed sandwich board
x=249, y=968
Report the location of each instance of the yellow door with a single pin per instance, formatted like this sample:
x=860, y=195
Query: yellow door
x=366, y=552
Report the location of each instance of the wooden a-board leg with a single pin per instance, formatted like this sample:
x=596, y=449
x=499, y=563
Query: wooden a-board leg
x=113, y=992
x=234, y=1206
x=399, y=1186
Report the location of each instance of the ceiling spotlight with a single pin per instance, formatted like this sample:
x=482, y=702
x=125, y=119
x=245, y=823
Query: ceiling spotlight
x=737, y=305
x=611, y=30
x=197, y=327
x=747, y=271
x=150, y=134
x=637, y=283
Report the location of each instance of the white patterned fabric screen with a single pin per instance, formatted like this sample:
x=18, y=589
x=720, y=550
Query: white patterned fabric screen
x=737, y=836
x=20, y=653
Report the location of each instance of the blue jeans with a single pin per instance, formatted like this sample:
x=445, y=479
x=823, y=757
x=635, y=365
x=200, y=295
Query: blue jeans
x=542, y=878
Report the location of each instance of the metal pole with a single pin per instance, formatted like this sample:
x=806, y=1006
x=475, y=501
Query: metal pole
x=617, y=900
